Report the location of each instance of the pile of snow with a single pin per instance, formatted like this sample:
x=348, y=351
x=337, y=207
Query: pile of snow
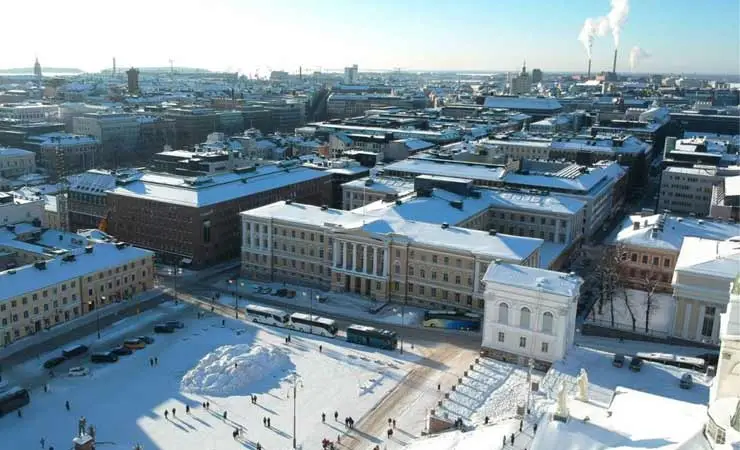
x=230, y=369
x=483, y=438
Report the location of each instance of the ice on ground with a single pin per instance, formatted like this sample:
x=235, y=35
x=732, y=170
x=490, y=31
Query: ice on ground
x=661, y=312
x=231, y=369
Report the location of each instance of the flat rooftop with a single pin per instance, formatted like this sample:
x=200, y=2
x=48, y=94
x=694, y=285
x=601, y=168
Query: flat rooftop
x=675, y=230
x=533, y=278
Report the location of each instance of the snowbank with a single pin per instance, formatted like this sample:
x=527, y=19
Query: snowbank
x=230, y=369
x=483, y=438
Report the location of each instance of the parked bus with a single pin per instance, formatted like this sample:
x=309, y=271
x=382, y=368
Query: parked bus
x=453, y=320
x=13, y=399
x=373, y=337
x=266, y=315
x=314, y=324
x=669, y=359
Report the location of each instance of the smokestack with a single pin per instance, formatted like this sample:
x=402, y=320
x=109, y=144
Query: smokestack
x=588, y=76
x=614, y=67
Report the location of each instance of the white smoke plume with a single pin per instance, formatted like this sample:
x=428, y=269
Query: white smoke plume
x=600, y=26
x=617, y=16
x=636, y=55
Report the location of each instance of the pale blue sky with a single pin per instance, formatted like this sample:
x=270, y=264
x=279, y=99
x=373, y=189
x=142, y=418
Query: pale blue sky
x=680, y=35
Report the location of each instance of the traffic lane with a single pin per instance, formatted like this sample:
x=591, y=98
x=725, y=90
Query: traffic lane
x=464, y=339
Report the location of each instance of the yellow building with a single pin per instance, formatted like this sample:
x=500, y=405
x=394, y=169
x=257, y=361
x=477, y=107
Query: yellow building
x=58, y=289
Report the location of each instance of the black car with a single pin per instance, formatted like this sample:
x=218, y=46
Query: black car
x=175, y=324
x=635, y=364
x=53, y=362
x=148, y=340
x=75, y=350
x=163, y=328
x=618, y=360
x=121, y=351
x=105, y=357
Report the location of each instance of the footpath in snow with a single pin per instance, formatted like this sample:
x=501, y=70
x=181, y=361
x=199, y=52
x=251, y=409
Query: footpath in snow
x=222, y=365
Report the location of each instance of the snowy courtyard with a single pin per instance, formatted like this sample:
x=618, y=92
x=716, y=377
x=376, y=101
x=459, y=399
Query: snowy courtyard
x=662, y=310
x=222, y=365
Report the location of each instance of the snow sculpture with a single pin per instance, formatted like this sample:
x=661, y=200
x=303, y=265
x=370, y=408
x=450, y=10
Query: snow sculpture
x=583, y=386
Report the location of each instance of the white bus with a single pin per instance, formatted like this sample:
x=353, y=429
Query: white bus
x=313, y=324
x=267, y=316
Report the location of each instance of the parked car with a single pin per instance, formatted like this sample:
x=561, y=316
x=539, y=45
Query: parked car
x=282, y=292
x=163, y=328
x=257, y=289
x=291, y=294
x=105, y=357
x=146, y=339
x=73, y=351
x=53, y=362
x=687, y=381
x=175, y=324
x=618, y=360
x=711, y=358
x=635, y=364
x=267, y=290
x=134, y=344
x=78, y=372
x=121, y=351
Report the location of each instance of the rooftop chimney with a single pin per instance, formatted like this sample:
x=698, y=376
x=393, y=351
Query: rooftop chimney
x=588, y=75
x=614, y=67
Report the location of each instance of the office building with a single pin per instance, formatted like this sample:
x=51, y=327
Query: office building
x=118, y=134
x=61, y=154
x=521, y=83
x=15, y=209
x=15, y=162
x=350, y=74
x=133, y=80
x=29, y=112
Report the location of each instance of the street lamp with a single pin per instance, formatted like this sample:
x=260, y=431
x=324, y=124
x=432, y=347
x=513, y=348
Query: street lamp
x=97, y=311
x=296, y=384
x=310, y=309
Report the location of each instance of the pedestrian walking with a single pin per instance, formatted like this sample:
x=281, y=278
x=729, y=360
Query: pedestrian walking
x=156, y=361
x=339, y=439
x=264, y=421
x=66, y=405
x=173, y=412
x=236, y=365
x=151, y=362
x=20, y=414
x=166, y=414
x=394, y=423
x=43, y=443
x=521, y=425
x=225, y=415
x=323, y=417
x=504, y=440
x=321, y=348
x=269, y=424
x=390, y=421
x=512, y=438
x=439, y=387
x=259, y=447
x=187, y=409
x=223, y=322
x=336, y=415
x=233, y=434
x=255, y=399
x=289, y=339
x=534, y=427
x=203, y=405
x=46, y=387
x=208, y=405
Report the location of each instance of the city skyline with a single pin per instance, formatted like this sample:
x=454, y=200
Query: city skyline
x=326, y=35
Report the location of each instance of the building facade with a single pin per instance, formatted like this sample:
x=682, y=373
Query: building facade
x=530, y=313
x=117, y=133
x=381, y=258
x=62, y=154
x=688, y=189
x=41, y=295
x=15, y=162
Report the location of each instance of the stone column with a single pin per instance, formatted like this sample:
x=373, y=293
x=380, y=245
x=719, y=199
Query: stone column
x=376, y=269
x=344, y=253
x=386, y=260
x=476, y=275
x=254, y=227
x=334, y=254
x=356, y=257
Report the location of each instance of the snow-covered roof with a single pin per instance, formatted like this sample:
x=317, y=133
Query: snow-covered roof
x=533, y=278
x=217, y=188
x=436, y=208
x=533, y=202
x=523, y=103
x=675, y=230
x=61, y=239
x=732, y=186
x=416, y=145
x=59, y=138
x=635, y=419
x=427, y=167
x=388, y=185
x=710, y=257
x=8, y=152
x=28, y=278
x=594, y=176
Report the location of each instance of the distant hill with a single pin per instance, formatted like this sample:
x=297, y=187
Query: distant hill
x=21, y=70
x=160, y=70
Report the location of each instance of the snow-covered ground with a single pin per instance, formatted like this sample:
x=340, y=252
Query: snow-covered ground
x=205, y=361
x=349, y=305
x=485, y=438
x=662, y=310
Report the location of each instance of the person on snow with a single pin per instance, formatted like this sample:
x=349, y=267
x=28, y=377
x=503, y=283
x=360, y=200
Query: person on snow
x=66, y=405
x=166, y=414
x=323, y=417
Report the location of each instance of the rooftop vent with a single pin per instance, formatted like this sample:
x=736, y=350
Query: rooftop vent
x=10, y=272
x=636, y=226
x=497, y=261
x=456, y=204
x=68, y=257
x=121, y=245
x=10, y=227
x=701, y=222
x=324, y=208
x=445, y=225
x=369, y=182
x=680, y=219
x=492, y=232
x=288, y=202
x=89, y=249
x=399, y=203
x=40, y=265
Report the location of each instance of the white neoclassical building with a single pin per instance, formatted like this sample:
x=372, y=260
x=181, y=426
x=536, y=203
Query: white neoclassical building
x=530, y=313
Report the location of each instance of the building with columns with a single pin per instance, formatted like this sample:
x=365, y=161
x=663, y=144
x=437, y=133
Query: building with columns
x=701, y=282
x=530, y=313
x=384, y=257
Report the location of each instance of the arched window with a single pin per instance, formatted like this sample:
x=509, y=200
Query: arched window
x=503, y=313
x=547, y=322
x=524, y=318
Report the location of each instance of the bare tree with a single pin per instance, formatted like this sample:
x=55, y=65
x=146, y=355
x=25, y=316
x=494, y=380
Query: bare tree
x=628, y=304
x=649, y=284
x=608, y=276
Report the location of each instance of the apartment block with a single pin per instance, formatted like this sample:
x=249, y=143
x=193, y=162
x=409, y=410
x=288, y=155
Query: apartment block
x=15, y=162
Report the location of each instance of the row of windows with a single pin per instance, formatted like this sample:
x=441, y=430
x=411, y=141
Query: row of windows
x=55, y=304
x=655, y=260
x=433, y=275
x=525, y=318
x=544, y=347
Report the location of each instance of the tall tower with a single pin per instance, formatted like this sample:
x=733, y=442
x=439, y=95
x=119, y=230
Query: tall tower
x=133, y=80
x=114, y=66
x=37, y=69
